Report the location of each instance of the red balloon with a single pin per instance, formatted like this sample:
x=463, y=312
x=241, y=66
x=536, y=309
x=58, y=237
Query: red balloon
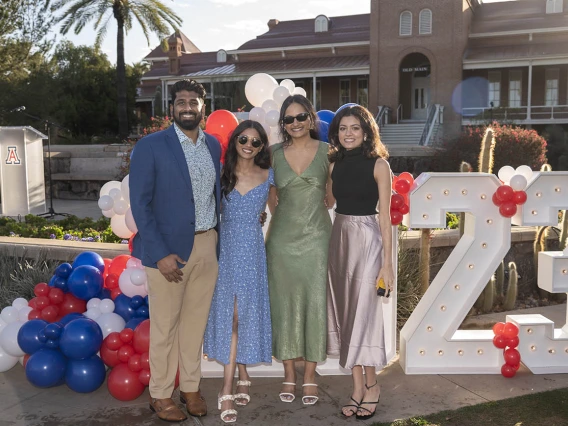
x=401, y=186
x=56, y=295
x=144, y=377
x=141, y=341
x=72, y=304
x=41, y=289
x=397, y=201
x=222, y=123
x=508, y=371
x=111, y=281
x=500, y=341
x=131, y=243
x=50, y=313
x=407, y=177
x=126, y=335
x=125, y=352
x=520, y=198
x=115, y=292
x=107, y=262
x=510, y=330
x=512, y=356
x=113, y=341
x=33, y=303
x=26, y=357
x=42, y=302
x=496, y=200
x=513, y=342
x=508, y=209
x=404, y=209
x=118, y=264
x=176, y=382
x=134, y=363
x=145, y=360
x=34, y=314
x=516, y=367
x=109, y=356
x=505, y=193
x=396, y=217
x=498, y=328
x=124, y=384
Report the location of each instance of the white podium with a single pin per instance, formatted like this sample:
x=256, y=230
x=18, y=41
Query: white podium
x=22, y=182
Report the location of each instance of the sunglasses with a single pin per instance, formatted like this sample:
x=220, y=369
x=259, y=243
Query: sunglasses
x=243, y=139
x=289, y=119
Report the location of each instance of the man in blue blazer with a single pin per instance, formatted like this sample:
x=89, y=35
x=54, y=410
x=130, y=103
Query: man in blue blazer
x=174, y=197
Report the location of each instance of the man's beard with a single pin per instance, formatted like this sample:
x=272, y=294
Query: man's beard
x=189, y=124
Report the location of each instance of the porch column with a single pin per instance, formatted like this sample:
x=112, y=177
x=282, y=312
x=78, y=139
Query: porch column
x=314, y=86
x=164, y=99
x=529, y=95
x=212, y=93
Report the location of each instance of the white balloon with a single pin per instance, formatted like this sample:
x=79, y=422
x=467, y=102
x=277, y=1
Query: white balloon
x=110, y=323
x=518, y=182
x=106, y=202
x=2, y=324
x=127, y=287
x=125, y=187
x=106, y=306
x=129, y=221
x=115, y=194
x=9, y=339
x=524, y=170
x=19, y=303
x=108, y=213
x=272, y=118
x=270, y=104
x=23, y=313
x=274, y=136
x=138, y=277
x=506, y=173
x=289, y=84
x=119, y=227
x=21, y=360
x=120, y=206
x=257, y=114
x=134, y=263
x=260, y=87
x=280, y=94
x=6, y=361
x=299, y=91
x=9, y=314
x=93, y=303
x=93, y=313
x=105, y=190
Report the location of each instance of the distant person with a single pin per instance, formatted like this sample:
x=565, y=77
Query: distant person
x=360, y=253
x=239, y=331
x=175, y=195
x=297, y=244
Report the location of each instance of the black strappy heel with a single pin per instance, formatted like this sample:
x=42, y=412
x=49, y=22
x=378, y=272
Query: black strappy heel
x=357, y=405
x=371, y=413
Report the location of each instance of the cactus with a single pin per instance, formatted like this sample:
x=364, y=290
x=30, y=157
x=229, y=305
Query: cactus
x=546, y=168
x=488, y=296
x=563, y=239
x=512, y=288
x=464, y=168
x=500, y=283
x=424, y=265
x=486, y=152
x=540, y=244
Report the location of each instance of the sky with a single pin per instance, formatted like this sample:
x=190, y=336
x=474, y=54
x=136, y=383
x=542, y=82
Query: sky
x=221, y=24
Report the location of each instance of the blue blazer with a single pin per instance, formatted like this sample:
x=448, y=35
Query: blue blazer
x=161, y=196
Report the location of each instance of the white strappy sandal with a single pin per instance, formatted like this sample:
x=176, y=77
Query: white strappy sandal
x=241, y=396
x=287, y=396
x=306, y=399
x=229, y=412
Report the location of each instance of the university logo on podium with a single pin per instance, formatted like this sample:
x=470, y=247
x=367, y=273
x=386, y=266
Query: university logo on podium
x=13, y=156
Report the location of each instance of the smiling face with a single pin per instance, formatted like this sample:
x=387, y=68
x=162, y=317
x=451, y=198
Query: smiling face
x=247, y=151
x=187, y=110
x=350, y=132
x=297, y=129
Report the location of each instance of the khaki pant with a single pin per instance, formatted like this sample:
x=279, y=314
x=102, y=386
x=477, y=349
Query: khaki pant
x=178, y=316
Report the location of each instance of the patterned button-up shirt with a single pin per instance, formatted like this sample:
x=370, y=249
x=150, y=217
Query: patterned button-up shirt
x=202, y=173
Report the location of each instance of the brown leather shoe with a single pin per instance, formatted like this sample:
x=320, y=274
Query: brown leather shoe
x=194, y=402
x=167, y=410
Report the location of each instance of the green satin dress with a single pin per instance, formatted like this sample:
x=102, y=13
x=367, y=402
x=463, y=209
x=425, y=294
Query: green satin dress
x=296, y=248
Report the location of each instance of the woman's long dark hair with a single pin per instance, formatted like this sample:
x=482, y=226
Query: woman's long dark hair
x=301, y=100
x=262, y=159
x=372, y=147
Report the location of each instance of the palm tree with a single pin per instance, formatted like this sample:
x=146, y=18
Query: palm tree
x=152, y=15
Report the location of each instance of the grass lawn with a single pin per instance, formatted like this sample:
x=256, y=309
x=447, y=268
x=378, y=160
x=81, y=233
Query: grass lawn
x=540, y=409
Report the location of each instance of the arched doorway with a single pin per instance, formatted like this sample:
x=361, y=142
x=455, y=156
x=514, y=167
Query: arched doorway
x=414, y=90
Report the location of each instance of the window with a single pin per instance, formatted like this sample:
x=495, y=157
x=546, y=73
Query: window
x=322, y=24
x=554, y=6
x=405, y=23
x=494, y=88
x=221, y=56
x=425, y=21
x=363, y=92
x=515, y=89
x=551, y=87
x=344, y=92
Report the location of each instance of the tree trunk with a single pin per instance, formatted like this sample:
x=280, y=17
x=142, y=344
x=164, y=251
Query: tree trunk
x=121, y=78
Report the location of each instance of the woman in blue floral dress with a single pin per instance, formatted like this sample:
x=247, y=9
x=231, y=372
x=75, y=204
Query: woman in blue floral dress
x=239, y=329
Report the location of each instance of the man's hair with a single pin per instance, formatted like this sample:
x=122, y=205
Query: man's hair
x=188, y=85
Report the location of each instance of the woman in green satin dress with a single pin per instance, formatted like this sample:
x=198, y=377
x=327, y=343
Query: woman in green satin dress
x=297, y=245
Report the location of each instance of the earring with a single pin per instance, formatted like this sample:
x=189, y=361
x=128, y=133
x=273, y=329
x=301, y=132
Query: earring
x=365, y=138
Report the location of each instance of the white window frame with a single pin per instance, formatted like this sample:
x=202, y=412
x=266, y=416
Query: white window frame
x=494, y=88
x=554, y=6
x=405, y=14
x=342, y=101
x=551, y=86
x=321, y=24
x=425, y=22
x=515, y=88
x=360, y=101
x=221, y=55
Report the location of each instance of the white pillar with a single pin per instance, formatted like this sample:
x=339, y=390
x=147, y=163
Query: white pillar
x=529, y=95
x=212, y=93
x=314, y=87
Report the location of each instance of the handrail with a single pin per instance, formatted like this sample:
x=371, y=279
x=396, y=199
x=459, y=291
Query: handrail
x=538, y=112
x=399, y=114
x=383, y=115
x=431, y=118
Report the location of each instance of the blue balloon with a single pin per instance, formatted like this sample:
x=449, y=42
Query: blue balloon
x=122, y=307
x=89, y=258
x=28, y=335
x=63, y=270
x=326, y=115
x=85, y=375
x=85, y=282
x=136, y=302
x=345, y=106
x=52, y=344
x=60, y=283
x=46, y=368
x=104, y=294
x=70, y=317
x=323, y=130
x=53, y=331
x=41, y=336
x=51, y=280
x=81, y=338
x=146, y=300
x=133, y=323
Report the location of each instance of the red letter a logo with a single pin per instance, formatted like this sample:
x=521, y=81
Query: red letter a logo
x=12, y=155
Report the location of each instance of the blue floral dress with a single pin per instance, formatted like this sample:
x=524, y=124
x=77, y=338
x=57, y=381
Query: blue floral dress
x=242, y=278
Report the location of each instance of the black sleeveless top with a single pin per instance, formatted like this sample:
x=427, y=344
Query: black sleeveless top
x=354, y=186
